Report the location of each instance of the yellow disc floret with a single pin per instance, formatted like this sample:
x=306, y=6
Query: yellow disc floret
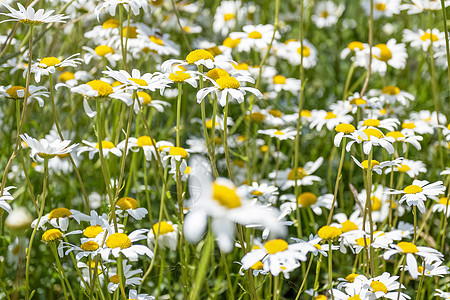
x=274, y=246
x=348, y=226
x=89, y=246
x=408, y=247
x=12, y=92
x=279, y=79
x=226, y=196
x=127, y=203
x=105, y=145
x=178, y=151
x=163, y=228
x=378, y=286
x=385, y=53
x=103, y=89
x=307, y=199
x=228, y=83
x=199, y=54
x=49, y=62
x=102, y=50
x=144, y=141
x=255, y=35
x=371, y=122
x=329, y=232
x=345, y=128
x=59, y=212
x=66, y=76
x=217, y=73
x=92, y=231
x=412, y=189
x=52, y=235
x=118, y=240
x=391, y=90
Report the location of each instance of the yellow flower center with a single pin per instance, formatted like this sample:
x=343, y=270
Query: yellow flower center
x=102, y=50
x=429, y=36
x=231, y=43
x=444, y=201
x=49, y=62
x=276, y=113
x=163, y=228
x=118, y=240
x=358, y=101
x=258, y=117
x=307, y=199
x=380, y=6
x=317, y=246
x=356, y=297
x=139, y=81
x=92, y=231
x=52, y=235
x=378, y=286
x=156, y=40
x=348, y=226
x=187, y=170
x=12, y=92
x=304, y=51
x=264, y=148
x=391, y=90
x=395, y=134
x=279, y=79
x=361, y=243
x=144, y=141
x=329, y=232
x=111, y=23
x=255, y=35
x=226, y=196
x=131, y=31
x=345, y=128
x=257, y=266
x=274, y=246
x=127, y=203
x=89, y=246
x=385, y=53
x=228, y=17
x=217, y=73
x=420, y=269
x=321, y=297
x=301, y=173
x=59, y=212
x=324, y=14
x=408, y=247
x=66, y=76
x=175, y=151
x=355, y=45
x=105, y=145
x=305, y=113
x=413, y=189
x=228, y=83
x=372, y=122
x=330, y=115
x=278, y=132
x=179, y=76
x=373, y=132
x=147, y=98
x=408, y=125
x=256, y=193
x=365, y=164
x=114, y=279
x=376, y=203
x=403, y=168
x=351, y=277
x=197, y=55
x=103, y=88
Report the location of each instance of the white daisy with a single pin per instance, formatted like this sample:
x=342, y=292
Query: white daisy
x=286, y=178
x=6, y=196
x=305, y=200
x=45, y=149
x=93, y=148
x=59, y=218
x=167, y=234
x=31, y=17
x=48, y=65
x=424, y=39
x=18, y=93
x=327, y=14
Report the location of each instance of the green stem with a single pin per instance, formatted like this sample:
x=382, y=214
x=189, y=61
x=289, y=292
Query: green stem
x=330, y=268
x=178, y=113
x=338, y=178
x=225, y=140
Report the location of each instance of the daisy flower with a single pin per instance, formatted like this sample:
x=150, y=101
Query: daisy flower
x=391, y=54
x=48, y=65
x=411, y=250
x=93, y=148
x=110, y=6
x=263, y=191
x=385, y=286
x=276, y=256
x=280, y=83
x=306, y=200
x=198, y=57
x=59, y=218
x=286, y=178
x=282, y=135
x=19, y=218
x=133, y=294
x=376, y=166
x=226, y=206
x=329, y=119
x=382, y=8
x=17, y=92
x=131, y=277
x=120, y=243
x=418, y=6
x=354, y=47
x=442, y=206
x=254, y=37
x=418, y=192
x=136, y=81
x=388, y=124
x=412, y=168
x=31, y=17
x=129, y=206
x=45, y=149
x=391, y=94
x=370, y=137
x=227, y=14
x=101, y=52
x=225, y=86
x=167, y=234
x=432, y=268
x=293, y=51
x=152, y=39
x=424, y=39
x=327, y=14
x=6, y=196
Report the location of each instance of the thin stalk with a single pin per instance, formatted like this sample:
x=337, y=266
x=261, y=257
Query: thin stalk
x=338, y=179
x=304, y=278
x=61, y=272
x=330, y=268
x=178, y=113
x=369, y=69
x=225, y=140
x=402, y=275
x=121, y=276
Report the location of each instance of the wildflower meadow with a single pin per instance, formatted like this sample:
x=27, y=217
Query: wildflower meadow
x=264, y=149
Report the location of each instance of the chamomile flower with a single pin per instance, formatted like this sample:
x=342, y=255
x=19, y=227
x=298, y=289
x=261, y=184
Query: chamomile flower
x=392, y=94
x=88, y=248
x=117, y=243
x=227, y=15
x=94, y=148
x=429, y=268
x=327, y=14
x=389, y=123
x=59, y=218
x=392, y=54
x=263, y=191
x=306, y=200
x=45, y=149
x=286, y=178
x=376, y=166
x=48, y=65
x=282, y=135
x=131, y=277
x=198, y=57
x=276, y=256
x=133, y=294
x=129, y=206
x=330, y=119
x=386, y=286
x=167, y=234
x=254, y=37
x=343, y=130
x=293, y=51
x=370, y=137
x=418, y=6
x=424, y=39
x=280, y=83
x=136, y=81
x=412, y=168
x=101, y=52
x=382, y=8
x=410, y=250
x=31, y=17
x=354, y=47
x=442, y=206
x=110, y=6
x=6, y=196
x=17, y=92
x=418, y=192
